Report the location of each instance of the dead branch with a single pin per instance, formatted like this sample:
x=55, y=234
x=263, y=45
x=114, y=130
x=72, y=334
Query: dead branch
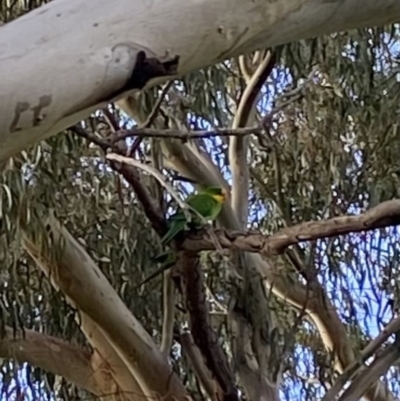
x=80, y=131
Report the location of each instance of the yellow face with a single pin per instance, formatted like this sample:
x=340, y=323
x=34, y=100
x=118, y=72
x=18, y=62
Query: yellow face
x=220, y=198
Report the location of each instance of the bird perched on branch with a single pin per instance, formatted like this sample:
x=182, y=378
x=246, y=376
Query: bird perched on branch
x=204, y=206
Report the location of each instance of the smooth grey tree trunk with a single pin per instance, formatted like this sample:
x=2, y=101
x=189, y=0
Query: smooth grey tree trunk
x=70, y=57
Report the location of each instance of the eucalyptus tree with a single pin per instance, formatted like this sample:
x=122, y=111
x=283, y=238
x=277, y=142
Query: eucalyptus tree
x=68, y=58
x=292, y=294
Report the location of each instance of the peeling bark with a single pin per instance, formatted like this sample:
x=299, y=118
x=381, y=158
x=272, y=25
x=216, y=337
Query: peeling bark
x=105, y=359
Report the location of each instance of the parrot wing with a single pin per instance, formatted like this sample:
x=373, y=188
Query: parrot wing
x=205, y=205
x=177, y=224
x=161, y=257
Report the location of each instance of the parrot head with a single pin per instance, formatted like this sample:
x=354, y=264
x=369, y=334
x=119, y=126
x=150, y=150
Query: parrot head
x=216, y=192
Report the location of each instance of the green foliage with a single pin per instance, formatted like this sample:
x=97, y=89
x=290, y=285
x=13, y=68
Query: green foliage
x=333, y=150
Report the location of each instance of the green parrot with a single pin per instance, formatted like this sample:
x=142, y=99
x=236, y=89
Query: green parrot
x=208, y=204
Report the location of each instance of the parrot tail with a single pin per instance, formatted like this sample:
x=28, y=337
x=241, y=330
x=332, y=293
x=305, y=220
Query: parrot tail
x=161, y=257
x=175, y=228
x=166, y=259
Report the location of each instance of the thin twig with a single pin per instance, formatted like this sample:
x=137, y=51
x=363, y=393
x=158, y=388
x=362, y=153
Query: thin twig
x=153, y=114
x=382, y=363
x=112, y=121
x=258, y=130
x=168, y=314
x=151, y=117
x=155, y=173
x=392, y=328
x=185, y=136
x=78, y=130
x=367, y=352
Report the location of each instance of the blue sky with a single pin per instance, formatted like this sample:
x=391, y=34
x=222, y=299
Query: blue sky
x=370, y=302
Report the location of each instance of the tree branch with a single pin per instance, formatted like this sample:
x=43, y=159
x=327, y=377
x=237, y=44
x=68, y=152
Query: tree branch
x=191, y=279
x=372, y=373
x=109, y=366
x=238, y=154
x=52, y=355
x=82, y=282
x=197, y=362
x=150, y=118
x=358, y=365
x=386, y=214
x=106, y=72
x=186, y=136
x=152, y=171
x=238, y=144
x=257, y=385
x=168, y=314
